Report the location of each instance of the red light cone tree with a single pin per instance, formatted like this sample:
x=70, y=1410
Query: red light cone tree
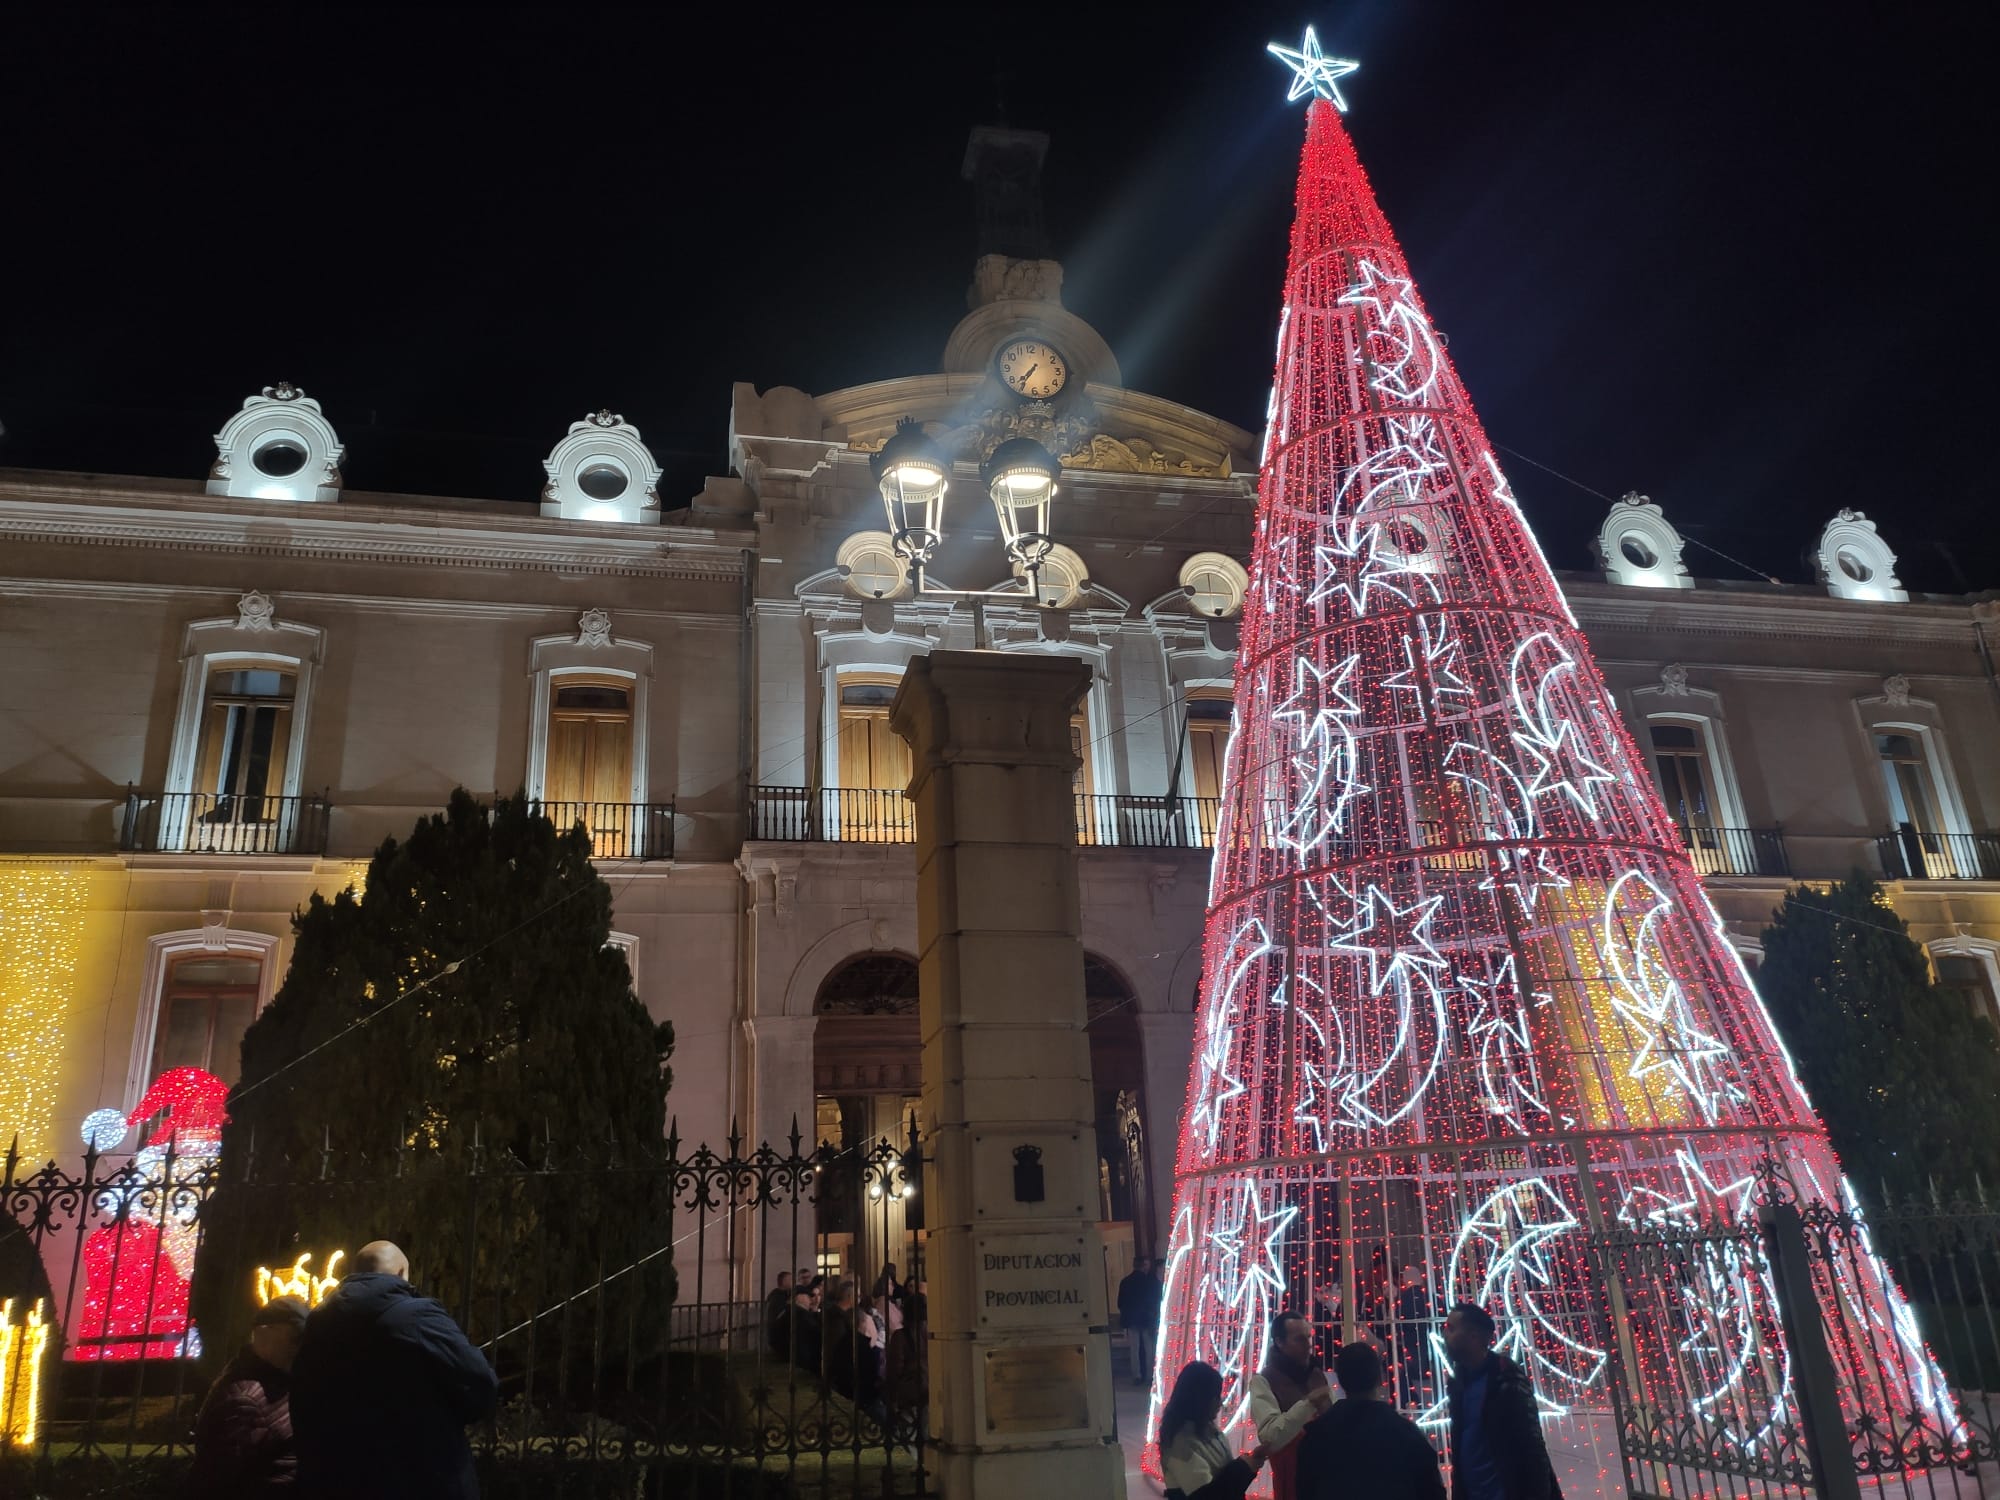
x=1464, y=997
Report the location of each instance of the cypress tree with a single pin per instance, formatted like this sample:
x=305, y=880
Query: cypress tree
x=456, y=1061
x=1905, y=1077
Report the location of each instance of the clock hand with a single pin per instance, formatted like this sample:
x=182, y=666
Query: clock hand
x=1030, y=375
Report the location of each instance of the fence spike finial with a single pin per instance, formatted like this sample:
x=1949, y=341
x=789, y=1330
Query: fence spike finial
x=795, y=1132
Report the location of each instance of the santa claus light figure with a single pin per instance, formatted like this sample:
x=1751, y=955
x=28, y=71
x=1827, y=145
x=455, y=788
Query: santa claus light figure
x=139, y=1261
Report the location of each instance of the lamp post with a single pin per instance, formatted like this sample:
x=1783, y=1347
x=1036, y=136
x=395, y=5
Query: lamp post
x=914, y=477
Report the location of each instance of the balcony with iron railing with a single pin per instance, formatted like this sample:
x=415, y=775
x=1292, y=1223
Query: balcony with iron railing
x=1911, y=854
x=618, y=830
x=875, y=815
x=215, y=823
x=1736, y=851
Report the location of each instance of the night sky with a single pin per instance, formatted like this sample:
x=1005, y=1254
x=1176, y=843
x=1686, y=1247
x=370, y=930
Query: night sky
x=1738, y=257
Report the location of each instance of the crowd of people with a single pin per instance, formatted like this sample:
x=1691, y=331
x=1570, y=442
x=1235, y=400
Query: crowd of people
x=872, y=1350
x=369, y=1393
x=1319, y=1446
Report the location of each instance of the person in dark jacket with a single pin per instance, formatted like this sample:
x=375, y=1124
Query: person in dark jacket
x=1497, y=1451
x=1139, y=1312
x=243, y=1436
x=1364, y=1446
x=383, y=1388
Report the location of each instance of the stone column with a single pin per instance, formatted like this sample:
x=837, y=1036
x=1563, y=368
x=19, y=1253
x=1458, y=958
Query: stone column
x=1021, y=1397
x=1166, y=1043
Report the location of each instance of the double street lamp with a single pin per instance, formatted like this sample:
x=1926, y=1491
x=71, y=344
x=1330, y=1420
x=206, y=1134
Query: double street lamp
x=914, y=475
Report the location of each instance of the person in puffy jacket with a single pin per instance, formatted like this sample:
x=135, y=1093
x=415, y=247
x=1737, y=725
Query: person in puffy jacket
x=243, y=1435
x=1196, y=1460
x=383, y=1388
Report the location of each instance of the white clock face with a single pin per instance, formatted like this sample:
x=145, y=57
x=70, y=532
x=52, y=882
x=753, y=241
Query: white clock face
x=1032, y=368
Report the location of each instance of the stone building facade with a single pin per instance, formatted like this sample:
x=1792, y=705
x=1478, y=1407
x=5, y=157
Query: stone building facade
x=217, y=696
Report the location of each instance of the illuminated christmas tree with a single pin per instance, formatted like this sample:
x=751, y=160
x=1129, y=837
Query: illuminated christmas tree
x=1464, y=997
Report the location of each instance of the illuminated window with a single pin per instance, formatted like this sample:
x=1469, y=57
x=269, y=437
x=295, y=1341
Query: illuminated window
x=206, y=1004
x=588, y=774
x=1906, y=771
x=1061, y=579
x=872, y=755
x=873, y=764
x=1216, y=584
x=1207, y=749
x=245, y=740
x=873, y=569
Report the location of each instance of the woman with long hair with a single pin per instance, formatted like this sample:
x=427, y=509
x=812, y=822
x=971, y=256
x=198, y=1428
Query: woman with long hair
x=1195, y=1458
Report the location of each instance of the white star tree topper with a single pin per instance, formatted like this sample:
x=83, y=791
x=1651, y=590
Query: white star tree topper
x=1313, y=72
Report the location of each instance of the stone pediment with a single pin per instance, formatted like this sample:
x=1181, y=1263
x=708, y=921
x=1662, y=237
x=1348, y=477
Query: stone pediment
x=1101, y=428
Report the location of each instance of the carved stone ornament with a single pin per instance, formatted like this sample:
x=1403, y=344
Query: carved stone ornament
x=284, y=390
x=593, y=628
x=215, y=931
x=1074, y=434
x=255, y=611
x=1674, y=680
x=1896, y=690
x=605, y=418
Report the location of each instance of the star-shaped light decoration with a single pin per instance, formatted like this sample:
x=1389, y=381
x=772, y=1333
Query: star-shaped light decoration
x=1649, y=999
x=1313, y=72
x=1701, y=1200
x=1394, y=940
x=1499, y=1024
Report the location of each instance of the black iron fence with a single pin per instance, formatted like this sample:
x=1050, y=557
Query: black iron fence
x=618, y=830
x=878, y=815
x=212, y=823
x=1752, y=1357
x=659, y=1363
x=1910, y=854
x=1736, y=851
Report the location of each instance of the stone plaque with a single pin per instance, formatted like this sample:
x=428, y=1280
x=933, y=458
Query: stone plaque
x=1037, y=1388
x=1032, y=1280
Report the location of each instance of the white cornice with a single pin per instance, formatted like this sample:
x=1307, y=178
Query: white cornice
x=89, y=515
x=457, y=609
x=1700, y=612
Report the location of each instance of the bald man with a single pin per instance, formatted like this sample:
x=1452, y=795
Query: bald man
x=382, y=1390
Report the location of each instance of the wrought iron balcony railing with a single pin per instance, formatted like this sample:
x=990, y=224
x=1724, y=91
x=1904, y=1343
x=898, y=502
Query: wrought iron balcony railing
x=797, y=814
x=1736, y=851
x=1909, y=854
x=618, y=830
x=209, y=823
x=1124, y=820
x=808, y=815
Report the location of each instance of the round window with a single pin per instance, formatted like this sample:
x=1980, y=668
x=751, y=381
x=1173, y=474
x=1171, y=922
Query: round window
x=1637, y=551
x=874, y=572
x=1215, y=592
x=1854, y=565
x=279, y=458
x=602, y=481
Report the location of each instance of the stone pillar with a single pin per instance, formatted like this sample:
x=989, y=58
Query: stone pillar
x=1166, y=1045
x=1021, y=1399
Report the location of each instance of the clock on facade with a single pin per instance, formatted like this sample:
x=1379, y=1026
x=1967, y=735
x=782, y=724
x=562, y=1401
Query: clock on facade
x=1031, y=367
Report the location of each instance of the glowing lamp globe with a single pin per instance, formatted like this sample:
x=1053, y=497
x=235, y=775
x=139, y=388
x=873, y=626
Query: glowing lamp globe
x=104, y=1129
x=912, y=473
x=1021, y=478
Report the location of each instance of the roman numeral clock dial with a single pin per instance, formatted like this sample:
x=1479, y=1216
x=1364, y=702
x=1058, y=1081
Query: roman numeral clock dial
x=1032, y=368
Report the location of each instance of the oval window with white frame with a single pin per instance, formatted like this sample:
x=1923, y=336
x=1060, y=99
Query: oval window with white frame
x=874, y=571
x=1216, y=584
x=1060, y=580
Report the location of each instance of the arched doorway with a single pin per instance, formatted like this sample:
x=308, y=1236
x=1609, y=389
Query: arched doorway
x=1117, y=1069
x=867, y=1079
